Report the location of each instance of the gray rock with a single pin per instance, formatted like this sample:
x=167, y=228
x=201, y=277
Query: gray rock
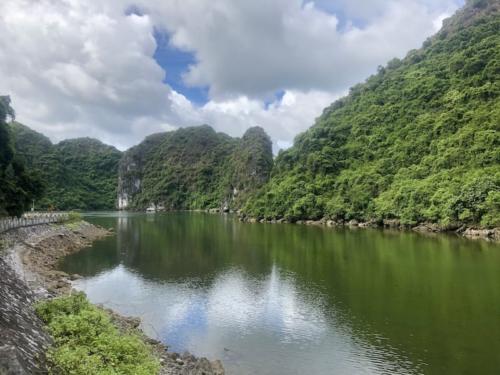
x=353, y=223
x=23, y=340
x=10, y=364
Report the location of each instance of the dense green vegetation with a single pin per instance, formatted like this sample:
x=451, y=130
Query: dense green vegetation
x=185, y=169
x=79, y=173
x=18, y=186
x=417, y=142
x=195, y=168
x=86, y=341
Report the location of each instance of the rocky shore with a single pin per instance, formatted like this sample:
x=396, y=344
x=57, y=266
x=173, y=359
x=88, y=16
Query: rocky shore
x=461, y=230
x=28, y=261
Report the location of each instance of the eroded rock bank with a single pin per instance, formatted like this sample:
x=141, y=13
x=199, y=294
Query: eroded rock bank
x=33, y=252
x=28, y=266
x=492, y=234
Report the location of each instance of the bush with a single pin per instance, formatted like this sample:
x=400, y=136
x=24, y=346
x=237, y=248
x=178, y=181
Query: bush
x=74, y=216
x=86, y=342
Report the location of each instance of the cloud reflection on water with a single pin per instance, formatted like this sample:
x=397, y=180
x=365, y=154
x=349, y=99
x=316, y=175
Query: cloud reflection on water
x=240, y=318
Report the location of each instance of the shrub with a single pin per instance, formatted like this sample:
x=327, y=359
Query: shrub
x=86, y=342
x=74, y=216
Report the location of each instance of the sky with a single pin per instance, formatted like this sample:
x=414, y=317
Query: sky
x=119, y=70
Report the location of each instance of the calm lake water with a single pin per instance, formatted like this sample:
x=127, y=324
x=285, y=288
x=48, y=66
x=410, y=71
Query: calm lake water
x=288, y=299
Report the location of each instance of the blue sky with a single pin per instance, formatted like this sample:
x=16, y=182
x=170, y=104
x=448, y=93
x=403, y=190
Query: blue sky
x=176, y=63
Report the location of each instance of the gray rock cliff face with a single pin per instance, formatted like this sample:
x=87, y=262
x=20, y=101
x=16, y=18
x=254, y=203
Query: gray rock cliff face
x=131, y=167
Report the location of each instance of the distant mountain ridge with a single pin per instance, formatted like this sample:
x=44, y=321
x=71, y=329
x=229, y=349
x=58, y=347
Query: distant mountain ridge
x=78, y=173
x=417, y=142
x=190, y=168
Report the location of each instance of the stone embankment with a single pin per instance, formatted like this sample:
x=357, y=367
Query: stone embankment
x=28, y=261
x=23, y=340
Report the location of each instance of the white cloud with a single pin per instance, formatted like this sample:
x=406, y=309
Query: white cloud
x=366, y=10
x=283, y=119
x=84, y=68
x=75, y=68
x=257, y=47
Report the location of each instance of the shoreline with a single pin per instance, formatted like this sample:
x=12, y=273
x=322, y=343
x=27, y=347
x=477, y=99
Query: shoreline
x=461, y=230
x=468, y=232
x=31, y=255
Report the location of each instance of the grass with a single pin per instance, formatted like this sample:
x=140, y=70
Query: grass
x=73, y=221
x=74, y=216
x=86, y=342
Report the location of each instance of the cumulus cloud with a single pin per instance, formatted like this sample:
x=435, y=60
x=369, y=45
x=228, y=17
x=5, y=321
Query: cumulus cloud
x=283, y=119
x=86, y=68
x=367, y=10
x=258, y=47
x=76, y=68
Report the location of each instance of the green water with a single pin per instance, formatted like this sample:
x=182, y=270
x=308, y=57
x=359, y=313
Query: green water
x=288, y=299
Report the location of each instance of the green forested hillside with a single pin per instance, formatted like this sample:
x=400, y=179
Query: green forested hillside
x=18, y=186
x=194, y=168
x=78, y=174
x=250, y=164
x=417, y=142
x=185, y=169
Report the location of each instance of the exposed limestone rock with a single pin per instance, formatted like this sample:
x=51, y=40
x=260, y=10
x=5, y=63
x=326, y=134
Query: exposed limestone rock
x=488, y=234
x=353, y=223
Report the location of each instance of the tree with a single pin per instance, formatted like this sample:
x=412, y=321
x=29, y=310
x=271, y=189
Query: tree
x=17, y=185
